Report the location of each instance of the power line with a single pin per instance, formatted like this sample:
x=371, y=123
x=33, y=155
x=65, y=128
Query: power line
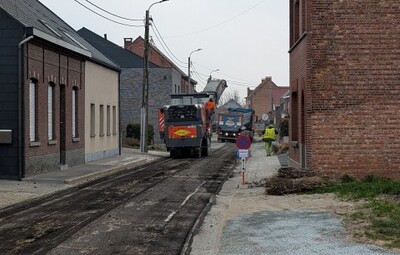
x=219, y=24
x=112, y=14
x=166, y=51
x=157, y=32
x=104, y=17
x=238, y=80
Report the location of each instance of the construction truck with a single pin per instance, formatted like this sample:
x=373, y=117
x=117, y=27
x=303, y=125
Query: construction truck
x=186, y=124
x=233, y=122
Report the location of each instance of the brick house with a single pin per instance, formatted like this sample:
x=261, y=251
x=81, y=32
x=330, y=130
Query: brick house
x=158, y=58
x=345, y=87
x=42, y=90
x=162, y=82
x=265, y=99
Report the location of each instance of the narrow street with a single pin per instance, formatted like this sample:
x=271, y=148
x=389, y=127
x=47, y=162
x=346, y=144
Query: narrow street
x=147, y=210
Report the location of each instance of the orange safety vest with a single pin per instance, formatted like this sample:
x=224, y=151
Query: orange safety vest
x=210, y=105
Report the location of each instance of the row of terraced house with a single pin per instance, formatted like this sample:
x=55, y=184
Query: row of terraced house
x=67, y=96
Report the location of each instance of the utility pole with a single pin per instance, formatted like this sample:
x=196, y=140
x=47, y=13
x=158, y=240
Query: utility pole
x=144, y=112
x=189, y=67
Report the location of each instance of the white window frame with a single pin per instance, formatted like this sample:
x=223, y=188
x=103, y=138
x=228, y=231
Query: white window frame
x=92, y=120
x=50, y=112
x=74, y=105
x=101, y=118
x=114, y=120
x=32, y=111
x=108, y=120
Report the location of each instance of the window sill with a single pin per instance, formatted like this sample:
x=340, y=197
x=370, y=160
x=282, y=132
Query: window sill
x=108, y=134
x=34, y=144
x=75, y=139
x=295, y=144
x=102, y=135
x=92, y=136
x=52, y=142
x=114, y=133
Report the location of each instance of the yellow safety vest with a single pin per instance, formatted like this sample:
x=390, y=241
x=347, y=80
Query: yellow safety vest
x=269, y=133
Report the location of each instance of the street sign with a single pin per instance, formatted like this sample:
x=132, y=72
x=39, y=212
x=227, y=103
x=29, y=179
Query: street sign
x=243, y=153
x=243, y=142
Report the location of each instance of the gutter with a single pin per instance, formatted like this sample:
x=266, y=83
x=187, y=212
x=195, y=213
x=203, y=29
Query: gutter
x=119, y=115
x=21, y=150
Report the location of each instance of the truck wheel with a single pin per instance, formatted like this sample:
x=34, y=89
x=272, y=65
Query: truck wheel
x=206, y=147
x=175, y=153
x=197, y=152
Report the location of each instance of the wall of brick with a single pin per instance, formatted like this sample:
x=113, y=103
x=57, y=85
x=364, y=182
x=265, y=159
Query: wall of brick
x=264, y=97
x=352, y=88
x=49, y=65
x=161, y=81
x=261, y=98
x=156, y=57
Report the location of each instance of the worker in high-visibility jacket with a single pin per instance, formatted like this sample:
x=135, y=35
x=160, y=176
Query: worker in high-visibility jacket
x=210, y=106
x=268, y=137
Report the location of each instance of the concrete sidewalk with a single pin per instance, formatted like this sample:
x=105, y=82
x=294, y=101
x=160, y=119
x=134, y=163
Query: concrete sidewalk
x=13, y=192
x=244, y=220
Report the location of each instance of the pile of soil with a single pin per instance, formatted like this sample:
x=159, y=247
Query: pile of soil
x=292, y=180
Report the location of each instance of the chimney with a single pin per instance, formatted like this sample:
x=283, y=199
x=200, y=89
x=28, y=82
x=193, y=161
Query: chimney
x=105, y=36
x=127, y=42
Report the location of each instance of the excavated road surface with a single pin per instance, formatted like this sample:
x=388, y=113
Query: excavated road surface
x=146, y=210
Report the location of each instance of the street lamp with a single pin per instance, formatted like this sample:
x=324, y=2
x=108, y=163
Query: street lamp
x=199, y=49
x=144, y=118
x=216, y=70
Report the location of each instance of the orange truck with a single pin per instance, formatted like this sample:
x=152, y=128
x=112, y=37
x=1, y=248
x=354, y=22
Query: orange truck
x=186, y=125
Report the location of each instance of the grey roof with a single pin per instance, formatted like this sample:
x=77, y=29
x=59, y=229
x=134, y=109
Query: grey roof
x=43, y=23
x=123, y=57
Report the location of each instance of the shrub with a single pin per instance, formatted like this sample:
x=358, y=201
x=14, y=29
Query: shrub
x=133, y=131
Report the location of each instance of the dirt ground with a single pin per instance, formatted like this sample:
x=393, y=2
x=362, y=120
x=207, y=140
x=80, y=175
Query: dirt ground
x=237, y=200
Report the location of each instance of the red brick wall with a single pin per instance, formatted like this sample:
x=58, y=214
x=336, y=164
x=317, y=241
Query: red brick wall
x=137, y=47
x=298, y=77
x=261, y=100
x=49, y=65
x=352, y=87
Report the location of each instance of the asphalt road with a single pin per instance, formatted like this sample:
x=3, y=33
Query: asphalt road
x=147, y=210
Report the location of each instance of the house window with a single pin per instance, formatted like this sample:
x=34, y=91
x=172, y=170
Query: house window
x=294, y=117
x=108, y=120
x=74, y=112
x=32, y=111
x=296, y=20
x=101, y=120
x=114, y=120
x=92, y=120
x=50, y=112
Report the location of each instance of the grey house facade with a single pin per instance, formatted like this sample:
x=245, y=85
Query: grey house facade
x=162, y=82
x=42, y=88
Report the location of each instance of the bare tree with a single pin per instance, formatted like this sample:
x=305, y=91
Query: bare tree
x=228, y=95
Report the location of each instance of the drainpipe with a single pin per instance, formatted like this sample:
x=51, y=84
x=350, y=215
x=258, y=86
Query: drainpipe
x=21, y=109
x=119, y=115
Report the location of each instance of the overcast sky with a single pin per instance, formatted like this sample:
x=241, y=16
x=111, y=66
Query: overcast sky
x=246, y=39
